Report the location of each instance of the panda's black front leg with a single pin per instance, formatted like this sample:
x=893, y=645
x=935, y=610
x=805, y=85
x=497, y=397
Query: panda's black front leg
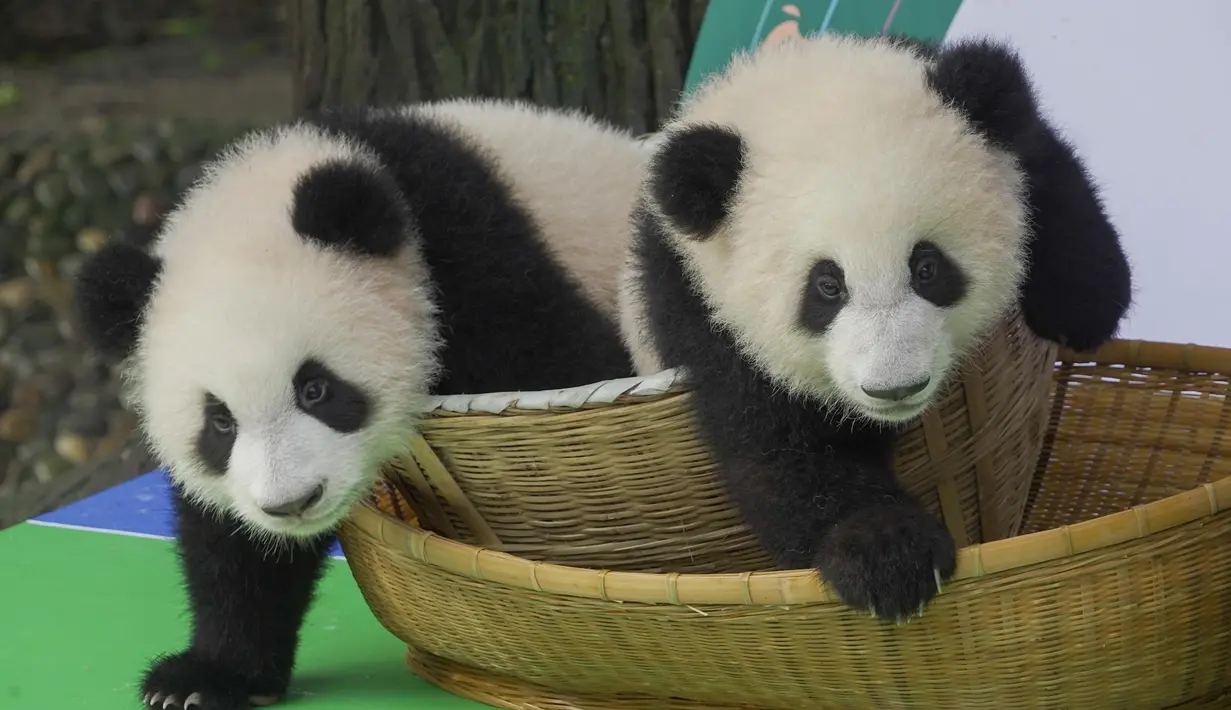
x=1079, y=285
x=874, y=544
x=823, y=495
x=248, y=602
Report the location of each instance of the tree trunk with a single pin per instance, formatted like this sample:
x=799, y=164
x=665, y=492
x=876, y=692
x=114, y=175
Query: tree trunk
x=623, y=60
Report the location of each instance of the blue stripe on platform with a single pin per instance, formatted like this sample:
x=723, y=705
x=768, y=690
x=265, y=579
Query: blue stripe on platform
x=140, y=507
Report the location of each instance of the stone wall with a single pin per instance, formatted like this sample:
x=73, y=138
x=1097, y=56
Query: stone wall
x=60, y=404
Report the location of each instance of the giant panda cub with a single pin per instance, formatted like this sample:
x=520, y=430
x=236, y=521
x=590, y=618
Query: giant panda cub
x=302, y=301
x=826, y=229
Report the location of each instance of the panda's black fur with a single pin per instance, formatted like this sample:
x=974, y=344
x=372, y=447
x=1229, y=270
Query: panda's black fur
x=246, y=605
x=818, y=491
x=512, y=318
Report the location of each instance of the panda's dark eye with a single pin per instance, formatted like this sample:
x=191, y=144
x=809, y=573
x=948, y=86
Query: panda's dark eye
x=925, y=269
x=825, y=293
x=829, y=286
x=935, y=277
x=217, y=435
x=329, y=398
x=222, y=423
x=313, y=392
x=218, y=416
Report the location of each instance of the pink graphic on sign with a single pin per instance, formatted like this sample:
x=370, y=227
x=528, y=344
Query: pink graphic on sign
x=786, y=29
x=889, y=20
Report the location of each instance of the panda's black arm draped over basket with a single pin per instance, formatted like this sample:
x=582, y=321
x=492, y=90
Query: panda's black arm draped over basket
x=1078, y=283
x=815, y=490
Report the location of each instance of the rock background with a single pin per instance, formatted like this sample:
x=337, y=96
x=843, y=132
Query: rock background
x=103, y=122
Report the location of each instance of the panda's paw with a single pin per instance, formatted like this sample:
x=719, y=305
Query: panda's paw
x=1081, y=331
x=185, y=681
x=888, y=560
x=1077, y=314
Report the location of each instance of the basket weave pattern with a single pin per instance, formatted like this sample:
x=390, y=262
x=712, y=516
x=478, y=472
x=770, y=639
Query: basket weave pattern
x=628, y=484
x=1129, y=610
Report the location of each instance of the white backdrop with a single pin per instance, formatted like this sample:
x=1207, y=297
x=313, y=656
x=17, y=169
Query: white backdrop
x=1144, y=91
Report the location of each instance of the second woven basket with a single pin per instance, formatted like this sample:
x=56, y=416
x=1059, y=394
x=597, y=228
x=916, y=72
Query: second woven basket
x=1116, y=596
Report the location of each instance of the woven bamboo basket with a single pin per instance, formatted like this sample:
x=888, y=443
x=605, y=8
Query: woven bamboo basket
x=614, y=475
x=1117, y=594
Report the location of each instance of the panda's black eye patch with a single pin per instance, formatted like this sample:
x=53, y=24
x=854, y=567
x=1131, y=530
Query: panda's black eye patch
x=329, y=399
x=934, y=276
x=217, y=435
x=824, y=295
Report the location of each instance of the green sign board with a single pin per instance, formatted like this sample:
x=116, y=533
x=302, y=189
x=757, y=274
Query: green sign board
x=734, y=25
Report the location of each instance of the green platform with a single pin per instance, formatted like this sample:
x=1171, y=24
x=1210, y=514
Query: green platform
x=82, y=612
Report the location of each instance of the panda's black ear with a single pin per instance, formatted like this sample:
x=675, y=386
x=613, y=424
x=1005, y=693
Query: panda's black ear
x=694, y=175
x=350, y=206
x=986, y=81
x=111, y=292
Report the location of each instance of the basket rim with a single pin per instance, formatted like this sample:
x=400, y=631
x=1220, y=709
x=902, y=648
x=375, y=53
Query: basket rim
x=789, y=587
x=1132, y=353
x=579, y=397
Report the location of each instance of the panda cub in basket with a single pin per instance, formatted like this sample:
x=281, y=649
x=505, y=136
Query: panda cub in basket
x=826, y=229
x=302, y=302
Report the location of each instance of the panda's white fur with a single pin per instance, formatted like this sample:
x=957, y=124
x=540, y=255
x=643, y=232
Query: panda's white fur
x=855, y=162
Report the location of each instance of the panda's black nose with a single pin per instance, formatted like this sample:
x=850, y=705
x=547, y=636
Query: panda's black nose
x=896, y=394
x=297, y=506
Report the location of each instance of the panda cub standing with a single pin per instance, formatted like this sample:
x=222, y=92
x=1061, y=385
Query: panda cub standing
x=302, y=302
x=826, y=230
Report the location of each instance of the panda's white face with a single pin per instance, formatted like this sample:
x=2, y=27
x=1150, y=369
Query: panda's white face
x=872, y=236
x=274, y=376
